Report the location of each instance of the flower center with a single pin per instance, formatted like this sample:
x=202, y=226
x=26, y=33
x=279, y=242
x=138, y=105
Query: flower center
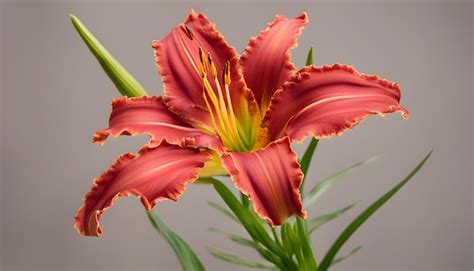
x=216, y=95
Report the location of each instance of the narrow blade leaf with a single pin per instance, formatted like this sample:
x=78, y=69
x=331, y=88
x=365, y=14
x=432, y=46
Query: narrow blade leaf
x=186, y=256
x=250, y=223
x=223, y=210
x=359, y=220
x=235, y=238
x=308, y=256
x=306, y=160
x=317, y=222
x=249, y=243
x=326, y=183
x=236, y=260
x=126, y=84
x=342, y=258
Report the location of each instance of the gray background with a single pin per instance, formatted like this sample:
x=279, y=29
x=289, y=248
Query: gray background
x=54, y=96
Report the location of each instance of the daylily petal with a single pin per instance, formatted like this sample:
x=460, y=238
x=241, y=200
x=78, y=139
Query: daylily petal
x=326, y=101
x=270, y=177
x=178, y=61
x=155, y=174
x=266, y=62
x=149, y=115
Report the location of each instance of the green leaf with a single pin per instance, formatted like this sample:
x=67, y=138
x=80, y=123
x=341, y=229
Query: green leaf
x=252, y=226
x=249, y=243
x=245, y=200
x=223, y=210
x=326, y=183
x=317, y=222
x=290, y=240
x=186, y=256
x=359, y=220
x=342, y=258
x=308, y=154
x=236, y=260
x=248, y=220
x=306, y=160
x=235, y=238
x=123, y=80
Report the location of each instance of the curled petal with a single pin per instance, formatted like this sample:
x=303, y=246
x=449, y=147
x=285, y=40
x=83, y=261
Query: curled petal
x=178, y=61
x=266, y=62
x=153, y=175
x=270, y=177
x=326, y=101
x=149, y=115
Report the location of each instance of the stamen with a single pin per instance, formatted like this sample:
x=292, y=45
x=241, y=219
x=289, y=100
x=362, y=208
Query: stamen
x=211, y=113
x=219, y=103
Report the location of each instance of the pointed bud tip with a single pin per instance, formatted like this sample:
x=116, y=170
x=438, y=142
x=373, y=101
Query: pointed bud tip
x=74, y=20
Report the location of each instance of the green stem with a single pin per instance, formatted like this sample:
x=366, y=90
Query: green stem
x=308, y=255
x=300, y=259
x=306, y=160
x=275, y=235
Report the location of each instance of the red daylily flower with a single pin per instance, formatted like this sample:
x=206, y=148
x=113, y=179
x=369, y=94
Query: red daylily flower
x=224, y=113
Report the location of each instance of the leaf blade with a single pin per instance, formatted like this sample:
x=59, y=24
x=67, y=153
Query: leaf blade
x=342, y=258
x=366, y=214
x=186, y=256
x=320, y=188
x=317, y=222
x=235, y=238
x=236, y=260
x=223, y=210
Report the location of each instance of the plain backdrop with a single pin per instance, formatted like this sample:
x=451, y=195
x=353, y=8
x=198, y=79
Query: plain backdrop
x=54, y=96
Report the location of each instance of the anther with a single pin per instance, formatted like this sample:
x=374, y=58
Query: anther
x=201, y=58
x=209, y=58
x=211, y=64
x=187, y=31
x=224, y=70
x=227, y=74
